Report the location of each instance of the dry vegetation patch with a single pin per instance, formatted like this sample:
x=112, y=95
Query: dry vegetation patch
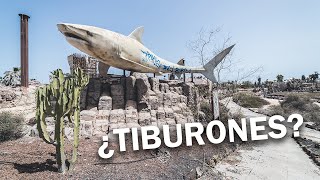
x=249, y=100
x=296, y=103
x=10, y=126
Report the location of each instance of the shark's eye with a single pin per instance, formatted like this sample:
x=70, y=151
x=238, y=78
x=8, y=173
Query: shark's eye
x=89, y=33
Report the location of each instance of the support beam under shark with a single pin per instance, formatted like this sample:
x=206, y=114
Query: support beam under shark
x=128, y=52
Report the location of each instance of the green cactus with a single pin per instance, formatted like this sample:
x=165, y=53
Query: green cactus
x=65, y=92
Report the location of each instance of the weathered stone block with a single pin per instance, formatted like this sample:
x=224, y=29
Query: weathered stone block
x=176, y=109
x=170, y=121
x=131, y=116
x=101, y=127
x=117, y=116
x=180, y=119
x=122, y=125
x=164, y=88
x=160, y=98
x=93, y=98
x=103, y=115
x=167, y=100
x=192, y=94
x=117, y=90
x=86, y=129
x=94, y=85
x=143, y=87
x=131, y=104
x=113, y=126
x=131, y=90
x=105, y=88
x=88, y=115
x=161, y=114
x=68, y=131
x=153, y=113
x=105, y=102
x=154, y=83
x=178, y=90
x=83, y=98
x=169, y=113
x=144, y=118
x=190, y=119
x=132, y=125
x=183, y=99
x=153, y=102
x=174, y=99
x=118, y=102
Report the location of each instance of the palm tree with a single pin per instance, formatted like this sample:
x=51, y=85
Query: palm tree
x=259, y=81
x=314, y=76
x=279, y=78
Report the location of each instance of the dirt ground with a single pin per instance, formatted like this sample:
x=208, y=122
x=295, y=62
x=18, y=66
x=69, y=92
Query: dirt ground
x=31, y=158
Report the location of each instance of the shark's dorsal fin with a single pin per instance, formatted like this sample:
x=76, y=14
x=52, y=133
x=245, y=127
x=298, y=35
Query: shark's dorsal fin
x=137, y=34
x=181, y=62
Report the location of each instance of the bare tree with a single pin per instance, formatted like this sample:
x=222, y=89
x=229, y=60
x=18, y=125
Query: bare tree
x=208, y=44
x=211, y=42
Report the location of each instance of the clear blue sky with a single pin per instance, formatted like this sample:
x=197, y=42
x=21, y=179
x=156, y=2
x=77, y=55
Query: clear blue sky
x=282, y=36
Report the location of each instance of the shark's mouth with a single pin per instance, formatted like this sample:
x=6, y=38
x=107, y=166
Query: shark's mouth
x=74, y=36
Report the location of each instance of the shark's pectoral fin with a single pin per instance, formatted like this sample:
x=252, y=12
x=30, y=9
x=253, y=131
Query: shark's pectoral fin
x=135, y=65
x=137, y=34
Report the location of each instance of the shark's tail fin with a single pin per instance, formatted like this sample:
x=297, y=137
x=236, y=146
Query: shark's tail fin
x=209, y=67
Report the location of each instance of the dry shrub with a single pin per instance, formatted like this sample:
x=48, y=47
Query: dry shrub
x=249, y=100
x=10, y=126
x=297, y=104
x=205, y=107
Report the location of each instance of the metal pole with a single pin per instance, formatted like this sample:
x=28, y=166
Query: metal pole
x=24, y=50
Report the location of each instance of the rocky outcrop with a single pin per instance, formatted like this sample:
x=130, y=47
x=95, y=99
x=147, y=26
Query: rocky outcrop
x=136, y=101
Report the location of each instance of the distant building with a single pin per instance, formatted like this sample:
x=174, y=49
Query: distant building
x=88, y=64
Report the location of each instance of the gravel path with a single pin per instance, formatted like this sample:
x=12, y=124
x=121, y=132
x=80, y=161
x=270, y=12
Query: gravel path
x=271, y=159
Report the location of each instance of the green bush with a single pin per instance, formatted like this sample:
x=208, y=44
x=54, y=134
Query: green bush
x=10, y=126
x=249, y=100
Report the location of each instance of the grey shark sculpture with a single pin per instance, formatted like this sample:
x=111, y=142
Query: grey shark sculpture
x=128, y=52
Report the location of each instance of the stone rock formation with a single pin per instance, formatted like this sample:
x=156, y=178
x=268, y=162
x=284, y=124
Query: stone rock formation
x=118, y=102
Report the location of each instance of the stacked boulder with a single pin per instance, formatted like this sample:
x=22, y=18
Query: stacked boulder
x=137, y=101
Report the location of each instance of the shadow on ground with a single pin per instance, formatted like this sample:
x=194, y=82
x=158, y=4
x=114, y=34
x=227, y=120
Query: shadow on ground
x=48, y=165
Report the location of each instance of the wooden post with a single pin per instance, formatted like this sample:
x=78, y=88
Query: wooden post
x=191, y=77
x=215, y=104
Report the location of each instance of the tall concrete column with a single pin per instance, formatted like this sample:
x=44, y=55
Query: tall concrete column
x=24, y=50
